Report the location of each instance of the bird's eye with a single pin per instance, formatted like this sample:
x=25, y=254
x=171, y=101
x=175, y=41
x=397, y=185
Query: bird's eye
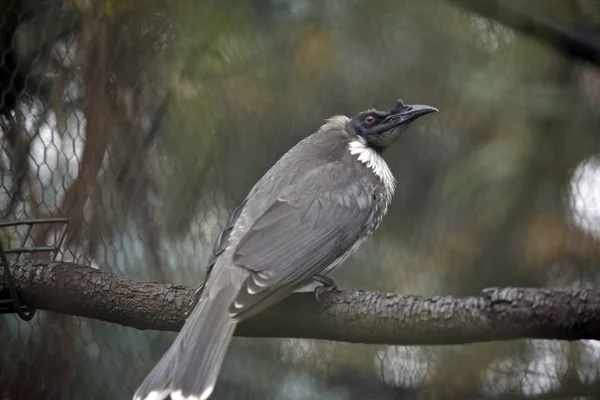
x=369, y=120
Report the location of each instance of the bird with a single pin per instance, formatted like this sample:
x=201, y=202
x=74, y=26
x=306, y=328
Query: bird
x=314, y=207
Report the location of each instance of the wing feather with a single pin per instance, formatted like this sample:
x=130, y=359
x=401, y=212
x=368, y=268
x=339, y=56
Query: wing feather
x=305, y=230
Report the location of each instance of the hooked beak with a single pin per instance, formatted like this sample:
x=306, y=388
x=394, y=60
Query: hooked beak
x=402, y=113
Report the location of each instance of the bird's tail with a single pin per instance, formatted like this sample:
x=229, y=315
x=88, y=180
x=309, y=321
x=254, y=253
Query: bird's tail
x=189, y=369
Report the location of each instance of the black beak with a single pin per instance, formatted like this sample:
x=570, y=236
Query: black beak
x=418, y=110
x=395, y=122
x=402, y=113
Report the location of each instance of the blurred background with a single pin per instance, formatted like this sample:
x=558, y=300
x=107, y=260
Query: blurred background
x=146, y=122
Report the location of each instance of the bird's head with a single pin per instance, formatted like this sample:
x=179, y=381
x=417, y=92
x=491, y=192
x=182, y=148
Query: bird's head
x=381, y=128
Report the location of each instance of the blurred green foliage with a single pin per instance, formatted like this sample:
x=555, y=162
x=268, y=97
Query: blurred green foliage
x=490, y=190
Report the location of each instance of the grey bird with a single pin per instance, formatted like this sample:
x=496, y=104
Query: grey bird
x=303, y=218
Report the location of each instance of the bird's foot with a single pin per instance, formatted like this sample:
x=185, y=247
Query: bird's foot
x=325, y=281
x=327, y=285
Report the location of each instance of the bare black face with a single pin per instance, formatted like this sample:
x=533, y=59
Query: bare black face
x=381, y=128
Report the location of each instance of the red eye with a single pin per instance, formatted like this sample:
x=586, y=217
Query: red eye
x=369, y=120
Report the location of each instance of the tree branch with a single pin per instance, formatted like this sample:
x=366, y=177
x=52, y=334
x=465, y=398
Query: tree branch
x=567, y=40
x=349, y=316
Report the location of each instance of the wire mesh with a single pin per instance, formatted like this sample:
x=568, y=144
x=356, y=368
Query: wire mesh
x=145, y=123
x=12, y=303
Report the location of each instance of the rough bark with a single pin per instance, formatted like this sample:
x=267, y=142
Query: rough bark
x=349, y=316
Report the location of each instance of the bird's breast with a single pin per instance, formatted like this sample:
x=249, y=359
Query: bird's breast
x=375, y=163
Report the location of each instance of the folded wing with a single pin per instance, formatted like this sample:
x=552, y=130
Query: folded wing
x=306, y=229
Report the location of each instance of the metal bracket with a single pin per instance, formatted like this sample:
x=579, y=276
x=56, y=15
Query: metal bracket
x=12, y=303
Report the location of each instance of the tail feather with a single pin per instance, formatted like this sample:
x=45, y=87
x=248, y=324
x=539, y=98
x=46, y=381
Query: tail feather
x=189, y=369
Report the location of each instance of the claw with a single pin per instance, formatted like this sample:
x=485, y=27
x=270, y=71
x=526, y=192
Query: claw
x=327, y=285
x=325, y=281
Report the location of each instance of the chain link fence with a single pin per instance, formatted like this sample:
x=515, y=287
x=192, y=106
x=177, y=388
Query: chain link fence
x=146, y=122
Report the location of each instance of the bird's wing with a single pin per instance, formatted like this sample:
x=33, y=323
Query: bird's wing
x=222, y=240
x=308, y=227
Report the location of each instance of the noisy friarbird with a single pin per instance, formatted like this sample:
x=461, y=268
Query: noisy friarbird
x=311, y=210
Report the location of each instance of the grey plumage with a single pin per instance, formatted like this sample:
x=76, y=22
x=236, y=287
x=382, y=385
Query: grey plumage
x=304, y=217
